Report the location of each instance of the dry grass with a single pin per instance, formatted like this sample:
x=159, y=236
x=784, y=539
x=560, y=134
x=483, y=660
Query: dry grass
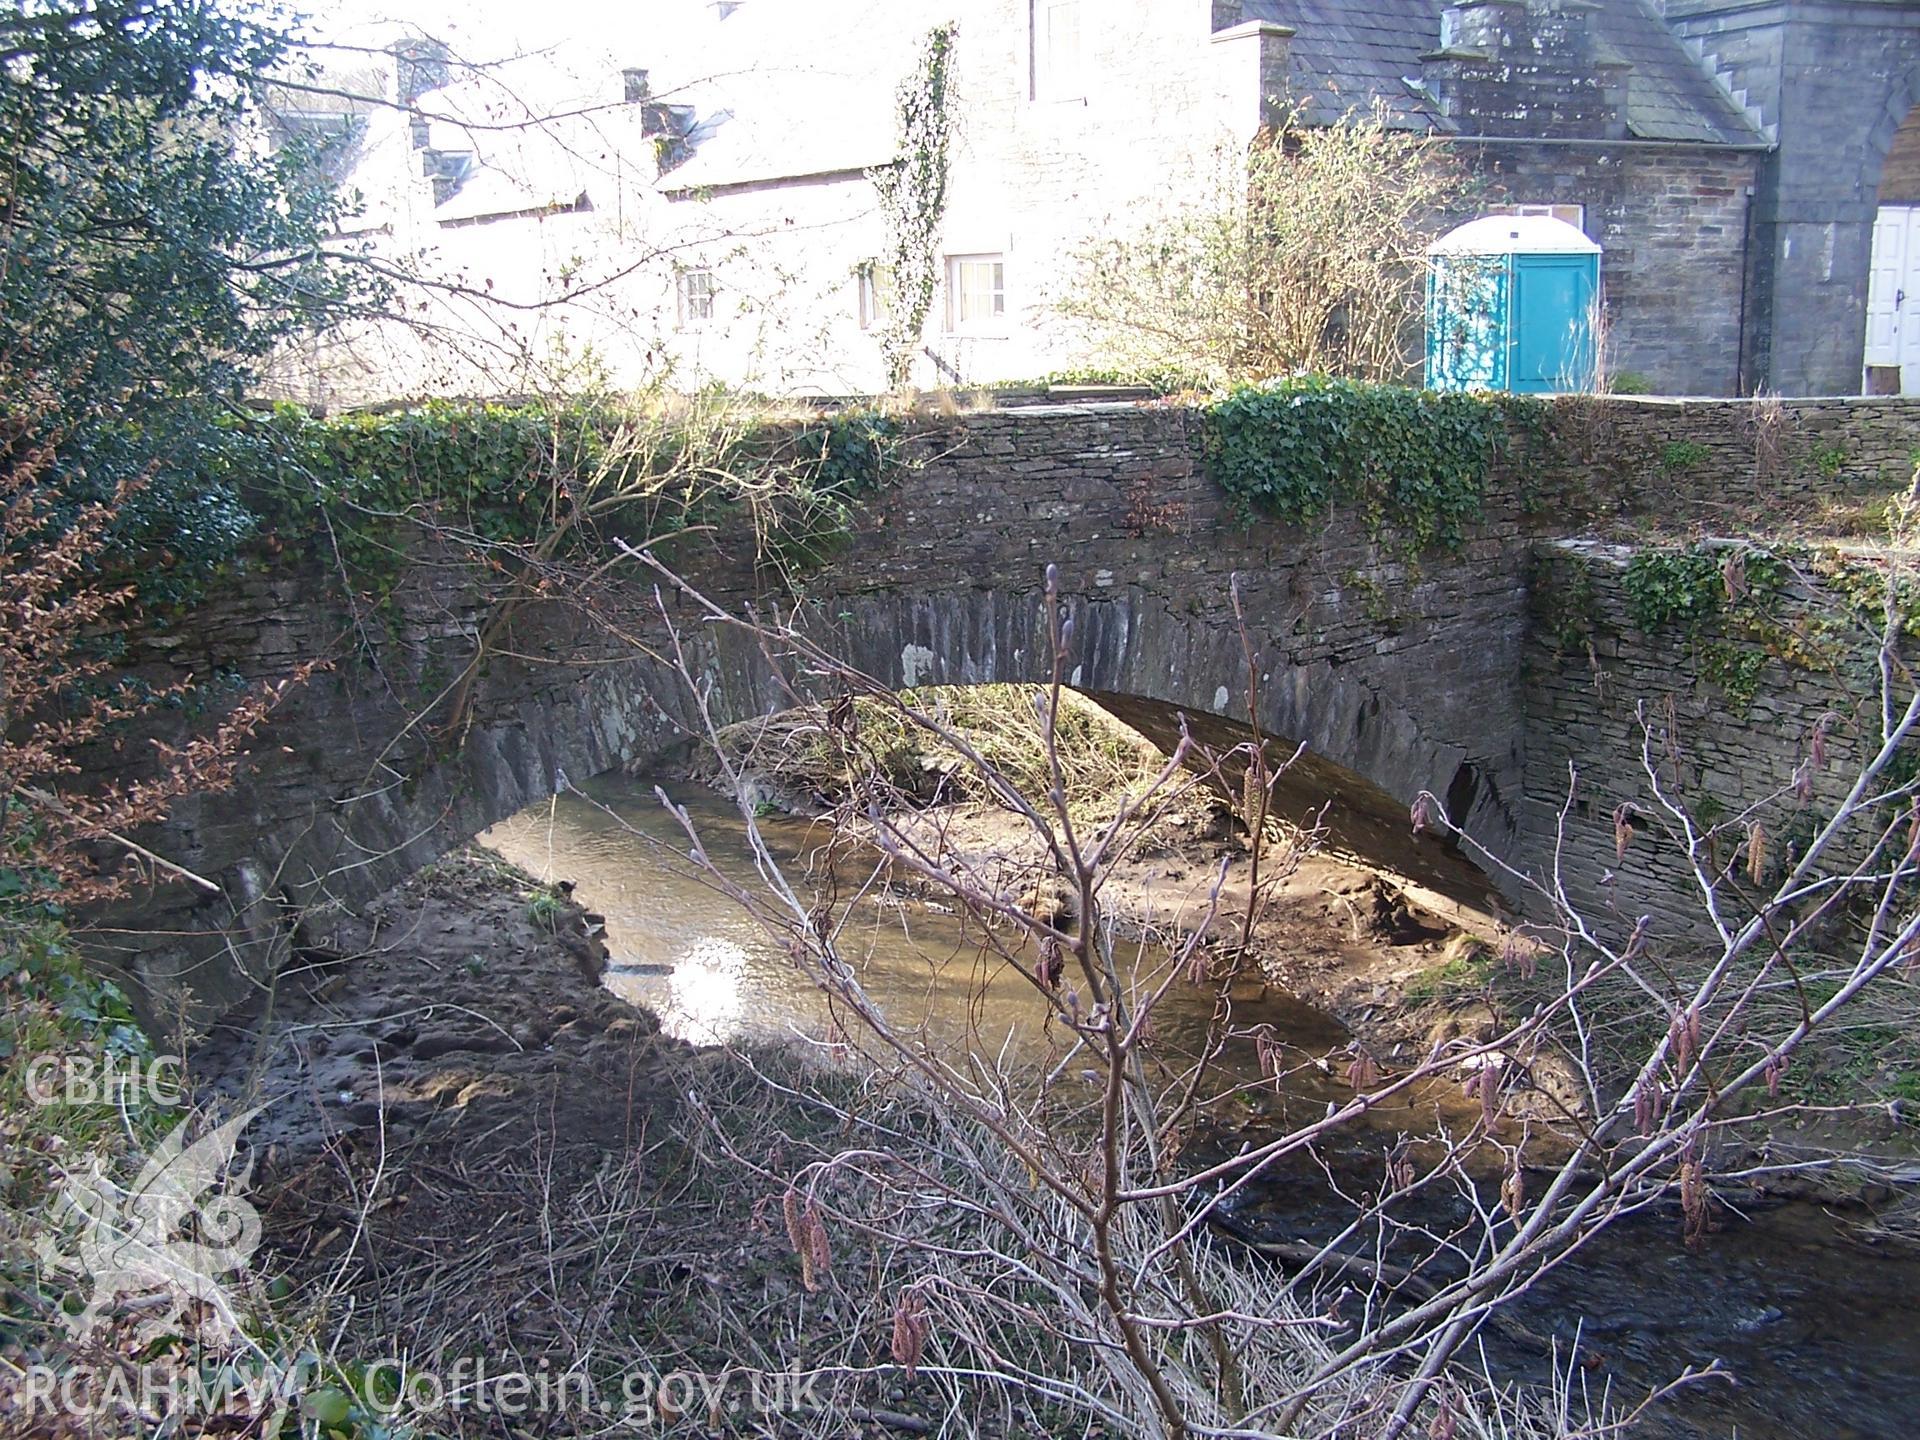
x=675, y=1256
x=1101, y=759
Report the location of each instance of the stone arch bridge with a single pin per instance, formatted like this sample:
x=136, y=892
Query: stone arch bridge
x=1397, y=674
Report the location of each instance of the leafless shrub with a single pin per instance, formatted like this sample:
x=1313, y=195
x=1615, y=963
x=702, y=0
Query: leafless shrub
x=1767, y=419
x=1093, y=1203
x=61, y=693
x=1304, y=257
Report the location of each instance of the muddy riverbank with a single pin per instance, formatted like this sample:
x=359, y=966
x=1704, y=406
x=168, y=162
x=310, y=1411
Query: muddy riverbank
x=470, y=1086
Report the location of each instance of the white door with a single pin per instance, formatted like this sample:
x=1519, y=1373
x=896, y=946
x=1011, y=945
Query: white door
x=1893, y=294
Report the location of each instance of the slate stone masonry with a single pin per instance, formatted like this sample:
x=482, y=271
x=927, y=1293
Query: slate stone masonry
x=1400, y=675
x=1831, y=81
x=1605, y=700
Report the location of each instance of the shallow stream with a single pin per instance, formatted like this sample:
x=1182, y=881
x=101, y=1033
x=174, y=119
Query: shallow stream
x=1821, y=1330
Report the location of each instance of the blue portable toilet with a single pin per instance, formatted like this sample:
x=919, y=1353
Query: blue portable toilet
x=1511, y=305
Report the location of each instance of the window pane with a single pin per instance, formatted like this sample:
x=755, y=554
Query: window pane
x=1063, y=49
x=981, y=290
x=976, y=292
x=876, y=295
x=1574, y=215
x=696, y=295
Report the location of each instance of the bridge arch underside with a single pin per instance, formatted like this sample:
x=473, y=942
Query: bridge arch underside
x=1365, y=753
x=538, y=721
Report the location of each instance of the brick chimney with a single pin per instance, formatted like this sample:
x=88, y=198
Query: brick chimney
x=1527, y=68
x=444, y=170
x=667, y=126
x=421, y=65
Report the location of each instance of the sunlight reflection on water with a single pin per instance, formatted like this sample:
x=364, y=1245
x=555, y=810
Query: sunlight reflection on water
x=690, y=954
x=706, y=998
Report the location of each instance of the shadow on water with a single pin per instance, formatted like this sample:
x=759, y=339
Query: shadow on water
x=1821, y=1332
x=1814, y=1331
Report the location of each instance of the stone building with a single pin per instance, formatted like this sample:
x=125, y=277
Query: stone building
x=1832, y=85
x=706, y=202
x=1594, y=111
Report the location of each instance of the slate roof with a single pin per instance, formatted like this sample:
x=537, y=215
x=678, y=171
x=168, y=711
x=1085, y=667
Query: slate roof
x=1669, y=95
x=807, y=89
x=1346, y=54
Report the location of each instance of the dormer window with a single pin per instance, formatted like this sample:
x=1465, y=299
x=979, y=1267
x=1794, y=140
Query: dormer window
x=1057, y=72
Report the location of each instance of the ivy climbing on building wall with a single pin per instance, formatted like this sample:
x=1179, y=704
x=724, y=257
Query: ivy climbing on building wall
x=913, y=198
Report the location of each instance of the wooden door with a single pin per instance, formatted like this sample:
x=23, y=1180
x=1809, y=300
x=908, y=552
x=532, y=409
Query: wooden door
x=1893, y=297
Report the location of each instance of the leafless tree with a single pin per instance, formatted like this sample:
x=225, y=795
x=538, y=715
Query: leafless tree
x=1067, y=1201
x=1304, y=255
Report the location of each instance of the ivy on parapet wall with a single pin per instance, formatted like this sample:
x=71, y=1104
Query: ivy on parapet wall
x=1690, y=588
x=1736, y=605
x=1414, y=463
x=521, y=477
x=496, y=472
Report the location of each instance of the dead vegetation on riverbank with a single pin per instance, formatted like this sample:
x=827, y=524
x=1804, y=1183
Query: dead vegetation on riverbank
x=472, y=1151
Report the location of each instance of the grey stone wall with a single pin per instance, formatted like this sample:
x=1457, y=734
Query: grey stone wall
x=1672, y=223
x=1609, y=706
x=1834, y=79
x=1399, y=676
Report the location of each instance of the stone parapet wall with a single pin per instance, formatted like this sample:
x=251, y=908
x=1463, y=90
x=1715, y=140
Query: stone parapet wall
x=1766, y=452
